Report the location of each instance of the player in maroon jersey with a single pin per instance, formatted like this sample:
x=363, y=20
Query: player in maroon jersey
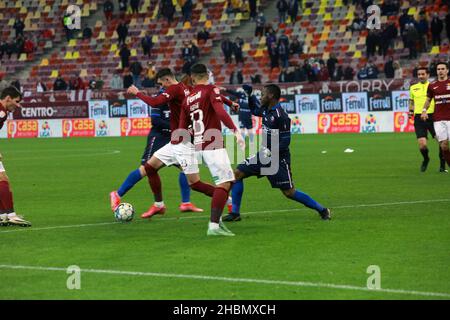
x=9, y=102
x=439, y=90
x=204, y=111
x=173, y=153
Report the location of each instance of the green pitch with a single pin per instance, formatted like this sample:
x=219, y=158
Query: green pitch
x=386, y=213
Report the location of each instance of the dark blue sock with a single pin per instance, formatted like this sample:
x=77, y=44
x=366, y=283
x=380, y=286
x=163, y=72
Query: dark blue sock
x=133, y=178
x=307, y=201
x=236, y=195
x=184, y=187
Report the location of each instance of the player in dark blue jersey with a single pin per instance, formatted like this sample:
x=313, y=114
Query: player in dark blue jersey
x=158, y=137
x=245, y=114
x=273, y=160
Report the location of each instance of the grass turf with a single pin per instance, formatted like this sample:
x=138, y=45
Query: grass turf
x=66, y=182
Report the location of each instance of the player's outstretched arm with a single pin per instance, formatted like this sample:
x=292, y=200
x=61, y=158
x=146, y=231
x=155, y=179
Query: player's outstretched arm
x=155, y=102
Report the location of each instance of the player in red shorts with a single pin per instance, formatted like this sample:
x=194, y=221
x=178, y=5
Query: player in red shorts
x=9, y=101
x=439, y=90
x=203, y=110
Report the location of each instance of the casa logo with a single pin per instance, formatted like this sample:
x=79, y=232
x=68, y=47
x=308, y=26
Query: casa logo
x=135, y=127
x=307, y=104
x=23, y=129
x=296, y=125
x=402, y=122
x=45, y=131
x=401, y=102
x=102, y=129
x=79, y=128
x=338, y=122
x=370, y=124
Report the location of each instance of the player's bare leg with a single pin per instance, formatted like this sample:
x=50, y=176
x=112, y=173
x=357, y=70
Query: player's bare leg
x=7, y=214
x=445, y=151
x=216, y=226
x=151, y=168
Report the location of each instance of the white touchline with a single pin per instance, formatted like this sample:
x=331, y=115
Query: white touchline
x=204, y=216
x=228, y=279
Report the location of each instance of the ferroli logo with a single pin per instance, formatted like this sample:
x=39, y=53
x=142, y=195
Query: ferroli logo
x=353, y=103
x=330, y=104
x=118, y=110
x=99, y=110
x=194, y=97
x=307, y=104
x=401, y=101
x=379, y=102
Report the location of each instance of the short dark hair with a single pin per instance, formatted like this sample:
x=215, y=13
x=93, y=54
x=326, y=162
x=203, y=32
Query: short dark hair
x=423, y=68
x=442, y=62
x=199, y=69
x=166, y=72
x=11, y=92
x=274, y=90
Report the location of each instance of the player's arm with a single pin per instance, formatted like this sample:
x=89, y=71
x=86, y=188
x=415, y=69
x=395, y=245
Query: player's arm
x=232, y=104
x=223, y=116
x=158, y=121
x=255, y=106
x=155, y=102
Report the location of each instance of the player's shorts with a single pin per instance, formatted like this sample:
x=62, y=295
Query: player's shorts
x=442, y=129
x=282, y=179
x=423, y=127
x=181, y=154
x=2, y=168
x=153, y=144
x=245, y=123
x=219, y=165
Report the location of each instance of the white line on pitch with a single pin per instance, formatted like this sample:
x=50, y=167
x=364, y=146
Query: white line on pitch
x=228, y=279
x=244, y=213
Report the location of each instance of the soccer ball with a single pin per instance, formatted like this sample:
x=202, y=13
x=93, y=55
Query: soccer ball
x=124, y=212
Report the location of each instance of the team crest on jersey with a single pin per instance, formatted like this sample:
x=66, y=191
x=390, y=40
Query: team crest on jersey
x=217, y=91
x=186, y=92
x=2, y=114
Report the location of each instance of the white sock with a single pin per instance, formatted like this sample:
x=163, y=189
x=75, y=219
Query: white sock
x=3, y=215
x=229, y=201
x=12, y=215
x=213, y=226
x=159, y=204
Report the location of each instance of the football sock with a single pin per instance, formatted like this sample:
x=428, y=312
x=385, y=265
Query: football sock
x=204, y=188
x=251, y=137
x=133, y=178
x=154, y=181
x=424, y=152
x=184, y=187
x=236, y=195
x=307, y=201
x=218, y=202
x=441, y=158
x=446, y=154
x=6, y=196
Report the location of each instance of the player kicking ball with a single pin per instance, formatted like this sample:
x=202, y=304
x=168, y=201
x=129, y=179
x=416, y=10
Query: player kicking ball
x=158, y=137
x=9, y=101
x=203, y=110
x=277, y=127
